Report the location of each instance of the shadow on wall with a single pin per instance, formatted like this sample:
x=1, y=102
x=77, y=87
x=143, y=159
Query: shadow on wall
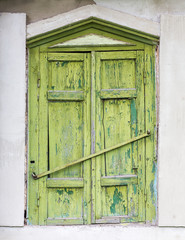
x=42, y=9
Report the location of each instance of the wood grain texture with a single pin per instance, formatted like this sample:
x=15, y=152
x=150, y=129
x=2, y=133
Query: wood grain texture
x=140, y=106
x=117, y=120
x=65, y=95
x=43, y=137
x=150, y=116
x=69, y=131
x=88, y=103
x=33, y=164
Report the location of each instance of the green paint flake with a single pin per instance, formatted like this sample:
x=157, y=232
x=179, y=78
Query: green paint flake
x=135, y=189
x=133, y=112
x=148, y=114
x=79, y=83
x=99, y=145
x=108, y=132
x=128, y=153
x=64, y=63
x=69, y=192
x=154, y=167
x=152, y=189
x=80, y=127
x=60, y=192
x=133, y=116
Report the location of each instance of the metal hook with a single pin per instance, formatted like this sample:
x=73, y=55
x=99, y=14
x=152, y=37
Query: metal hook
x=34, y=176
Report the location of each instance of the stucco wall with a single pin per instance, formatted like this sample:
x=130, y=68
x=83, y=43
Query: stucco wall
x=150, y=9
x=172, y=122
x=110, y=232
x=12, y=118
x=42, y=9
x=172, y=108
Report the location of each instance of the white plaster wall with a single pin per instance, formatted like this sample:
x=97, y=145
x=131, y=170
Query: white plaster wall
x=12, y=118
x=150, y=9
x=172, y=122
x=42, y=9
x=92, y=232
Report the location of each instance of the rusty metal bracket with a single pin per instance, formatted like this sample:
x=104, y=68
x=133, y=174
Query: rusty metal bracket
x=90, y=156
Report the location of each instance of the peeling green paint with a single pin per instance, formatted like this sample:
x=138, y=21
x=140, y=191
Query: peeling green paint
x=79, y=83
x=108, y=132
x=60, y=192
x=64, y=63
x=69, y=192
x=152, y=190
x=117, y=197
x=135, y=189
x=128, y=153
x=125, y=114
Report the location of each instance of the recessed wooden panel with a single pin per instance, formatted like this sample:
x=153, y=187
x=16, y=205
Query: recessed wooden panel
x=65, y=203
x=117, y=129
x=65, y=137
x=118, y=74
x=66, y=75
x=115, y=201
x=118, y=70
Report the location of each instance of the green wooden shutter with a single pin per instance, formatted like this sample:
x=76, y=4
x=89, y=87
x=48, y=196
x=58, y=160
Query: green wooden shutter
x=89, y=102
x=119, y=183
x=68, y=97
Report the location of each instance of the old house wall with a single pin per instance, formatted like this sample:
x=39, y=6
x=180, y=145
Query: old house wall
x=38, y=10
x=172, y=109
x=12, y=118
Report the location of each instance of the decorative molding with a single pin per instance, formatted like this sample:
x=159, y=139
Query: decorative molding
x=91, y=40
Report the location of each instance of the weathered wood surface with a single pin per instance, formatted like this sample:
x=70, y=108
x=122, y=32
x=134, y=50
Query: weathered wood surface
x=33, y=188
x=54, y=170
x=117, y=120
x=118, y=93
x=99, y=105
x=64, y=182
x=65, y=95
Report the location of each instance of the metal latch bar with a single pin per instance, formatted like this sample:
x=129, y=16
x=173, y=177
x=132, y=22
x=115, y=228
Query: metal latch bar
x=90, y=156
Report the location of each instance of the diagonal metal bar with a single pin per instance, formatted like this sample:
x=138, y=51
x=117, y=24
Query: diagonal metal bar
x=90, y=156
